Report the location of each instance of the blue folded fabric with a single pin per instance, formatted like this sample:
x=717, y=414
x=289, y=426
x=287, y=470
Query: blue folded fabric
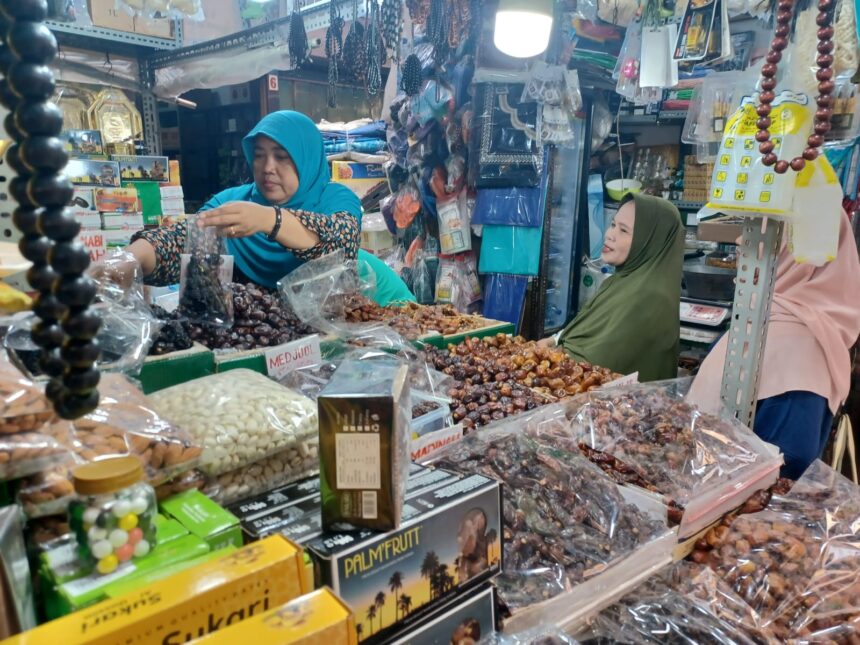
x=508, y=207
x=511, y=249
x=505, y=297
x=375, y=130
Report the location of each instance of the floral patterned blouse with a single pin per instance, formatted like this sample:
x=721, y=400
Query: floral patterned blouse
x=336, y=231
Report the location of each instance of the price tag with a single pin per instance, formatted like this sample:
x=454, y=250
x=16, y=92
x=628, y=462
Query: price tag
x=283, y=359
x=630, y=379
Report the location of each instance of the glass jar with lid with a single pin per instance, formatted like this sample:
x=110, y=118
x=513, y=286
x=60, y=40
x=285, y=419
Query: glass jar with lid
x=113, y=514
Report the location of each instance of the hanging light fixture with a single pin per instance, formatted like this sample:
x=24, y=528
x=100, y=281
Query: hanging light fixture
x=523, y=27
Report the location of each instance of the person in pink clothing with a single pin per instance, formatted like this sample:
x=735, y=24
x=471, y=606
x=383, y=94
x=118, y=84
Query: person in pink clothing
x=806, y=369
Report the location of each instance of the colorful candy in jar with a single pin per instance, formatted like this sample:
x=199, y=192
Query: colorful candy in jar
x=113, y=514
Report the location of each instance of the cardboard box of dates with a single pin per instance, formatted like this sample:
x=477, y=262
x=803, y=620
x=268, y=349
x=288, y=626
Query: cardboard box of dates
x=450, y=541
x=467, y=619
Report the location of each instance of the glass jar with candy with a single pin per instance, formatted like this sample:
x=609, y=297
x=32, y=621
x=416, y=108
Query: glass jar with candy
x=113, y=513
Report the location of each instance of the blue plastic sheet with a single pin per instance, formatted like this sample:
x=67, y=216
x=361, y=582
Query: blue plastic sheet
x=596, y=216
x=508, y=207
x=511, y=249
x=504, y=297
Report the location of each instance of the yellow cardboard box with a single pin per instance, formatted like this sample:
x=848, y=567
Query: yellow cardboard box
x=319, y=617
x=189, y=605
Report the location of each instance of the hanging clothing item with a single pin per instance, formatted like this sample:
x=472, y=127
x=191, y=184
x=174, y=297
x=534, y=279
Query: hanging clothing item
x=633, y=323
x=263, y=261
x=814, y=321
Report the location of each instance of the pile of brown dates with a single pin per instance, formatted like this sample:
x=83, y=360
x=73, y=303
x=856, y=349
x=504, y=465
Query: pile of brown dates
x=412, y=320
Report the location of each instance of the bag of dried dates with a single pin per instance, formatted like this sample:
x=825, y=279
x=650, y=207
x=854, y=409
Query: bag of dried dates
x=23, y=405
x=205, y=296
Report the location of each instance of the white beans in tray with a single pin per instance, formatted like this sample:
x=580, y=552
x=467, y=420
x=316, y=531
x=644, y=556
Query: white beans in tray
x=239, y=417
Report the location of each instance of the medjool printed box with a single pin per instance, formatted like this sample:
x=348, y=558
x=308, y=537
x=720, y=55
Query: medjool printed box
x=451, y=542
x=467, y=619
x=364, y=444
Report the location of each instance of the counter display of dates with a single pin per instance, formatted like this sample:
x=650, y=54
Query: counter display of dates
x=260, y=320
x=549, y=371
x=647, y=435
x=797, y=563
x=480, y=404
x=412, y=320
x=564, y=521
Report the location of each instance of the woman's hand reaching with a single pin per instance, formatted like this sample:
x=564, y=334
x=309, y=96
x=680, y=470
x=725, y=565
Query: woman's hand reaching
x=239, y=219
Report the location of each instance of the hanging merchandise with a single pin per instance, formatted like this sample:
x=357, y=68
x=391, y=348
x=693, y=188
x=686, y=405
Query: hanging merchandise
x=618, y=12
x=437, y=30
x=628, y=69
x=354, y=49
x=657, y=68
x=298, y=40
x=454, y=233
x=374, y=49
x=508, y=207
x=695, y=31
x=419, y=10
x=423, y=281
x=392, y=27
x=333, y=50
x=511, y=249
x=410, y=82
x=118, y=120
x=505, y=150
x=74, y=101
x=504, y=297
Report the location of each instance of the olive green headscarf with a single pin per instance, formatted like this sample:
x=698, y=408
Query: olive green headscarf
x=632, y=323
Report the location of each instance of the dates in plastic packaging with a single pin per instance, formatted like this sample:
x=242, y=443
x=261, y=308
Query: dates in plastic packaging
x=204, y=289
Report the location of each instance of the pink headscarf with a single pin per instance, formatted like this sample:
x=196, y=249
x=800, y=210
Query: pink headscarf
x=814, y=322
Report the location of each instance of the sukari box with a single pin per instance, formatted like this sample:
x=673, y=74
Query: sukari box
x=463, y=620
x=452, y=542
x=188, y=605
x=204, y=518
x=364, y=444
x=319, y=617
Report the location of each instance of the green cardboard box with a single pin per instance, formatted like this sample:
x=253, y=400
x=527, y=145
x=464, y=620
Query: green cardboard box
x=159, y=372
x=204, y=518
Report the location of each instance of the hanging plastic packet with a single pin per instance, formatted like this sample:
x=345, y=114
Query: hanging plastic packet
x=205, y=295
x=422, y=280
x=454, y=233
x=447, y=284
x=817, y=208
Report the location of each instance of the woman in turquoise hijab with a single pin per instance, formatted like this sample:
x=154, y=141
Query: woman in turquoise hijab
x=291, y=213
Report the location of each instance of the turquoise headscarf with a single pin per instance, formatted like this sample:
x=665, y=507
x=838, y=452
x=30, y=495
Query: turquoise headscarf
x=263, y=261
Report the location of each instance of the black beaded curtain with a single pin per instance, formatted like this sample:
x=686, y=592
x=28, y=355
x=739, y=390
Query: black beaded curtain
x=67, y=327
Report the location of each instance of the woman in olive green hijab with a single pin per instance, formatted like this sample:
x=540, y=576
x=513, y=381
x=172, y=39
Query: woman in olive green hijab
x=632, y=324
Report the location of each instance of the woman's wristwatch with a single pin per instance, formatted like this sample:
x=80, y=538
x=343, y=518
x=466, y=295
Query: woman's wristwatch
x=279, y=218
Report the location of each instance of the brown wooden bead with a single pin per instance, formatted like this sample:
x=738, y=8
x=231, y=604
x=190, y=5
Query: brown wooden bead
x=823, y=19
x=822, y=127
x=797, y=164
x=825, y=33
x=824, y=60
x=781, y=167
x=782, y=31
x=825, y=5
x=824, y=101
x=823, y=114
x=769, y=159
x=785, y=5
x=778, y=44
x=825, y=46
x=826, y=87
x=824, y=74
x=767, y=97
x=810, y=154
x=768, y=70
x=765, y=147
x=815, y=140
x=783, y=17
x=763, y=109
x=762, y=135
x=774, y=57
x=763, y=123
x=768, y=84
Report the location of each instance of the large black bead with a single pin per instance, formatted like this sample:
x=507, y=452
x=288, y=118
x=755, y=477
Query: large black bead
x=24, y=9
x=32, y=42
x=36, y=249
x=80, y=353
x=50, y=190
x=42, y=278
x=26, y=220
x=31, y=81
x=39, y=117
x=12, y=128
x=19, y=192
x=51, y=363
x=59, y=225
x=47, y=334
x=7, y=57
x=69, y=258
x=82, y=325
x=7, y=96
x=47, y=307
x=82, y=381
x=13, y=158
x=55, y=390
x=76, y=291
x=46, y=154
x=73, y=406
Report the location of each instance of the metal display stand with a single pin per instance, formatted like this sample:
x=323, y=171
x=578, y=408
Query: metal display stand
x=757, y=257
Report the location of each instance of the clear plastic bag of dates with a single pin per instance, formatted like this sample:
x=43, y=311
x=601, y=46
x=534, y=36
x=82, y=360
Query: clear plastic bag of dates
x=565, y=523
x=205, y=296
x=23, y=405
x=239, y=417
x=548, y=635
x=646, y=434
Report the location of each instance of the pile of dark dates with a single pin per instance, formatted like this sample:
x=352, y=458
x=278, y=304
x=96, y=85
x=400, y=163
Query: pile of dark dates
x=476, y=405
x=564, y=521
x=173, y=336
x=501, y=358
x=424, y=407
x=260, y=320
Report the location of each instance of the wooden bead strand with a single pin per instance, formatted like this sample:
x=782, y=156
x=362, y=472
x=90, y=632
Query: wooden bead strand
x=824, y=76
